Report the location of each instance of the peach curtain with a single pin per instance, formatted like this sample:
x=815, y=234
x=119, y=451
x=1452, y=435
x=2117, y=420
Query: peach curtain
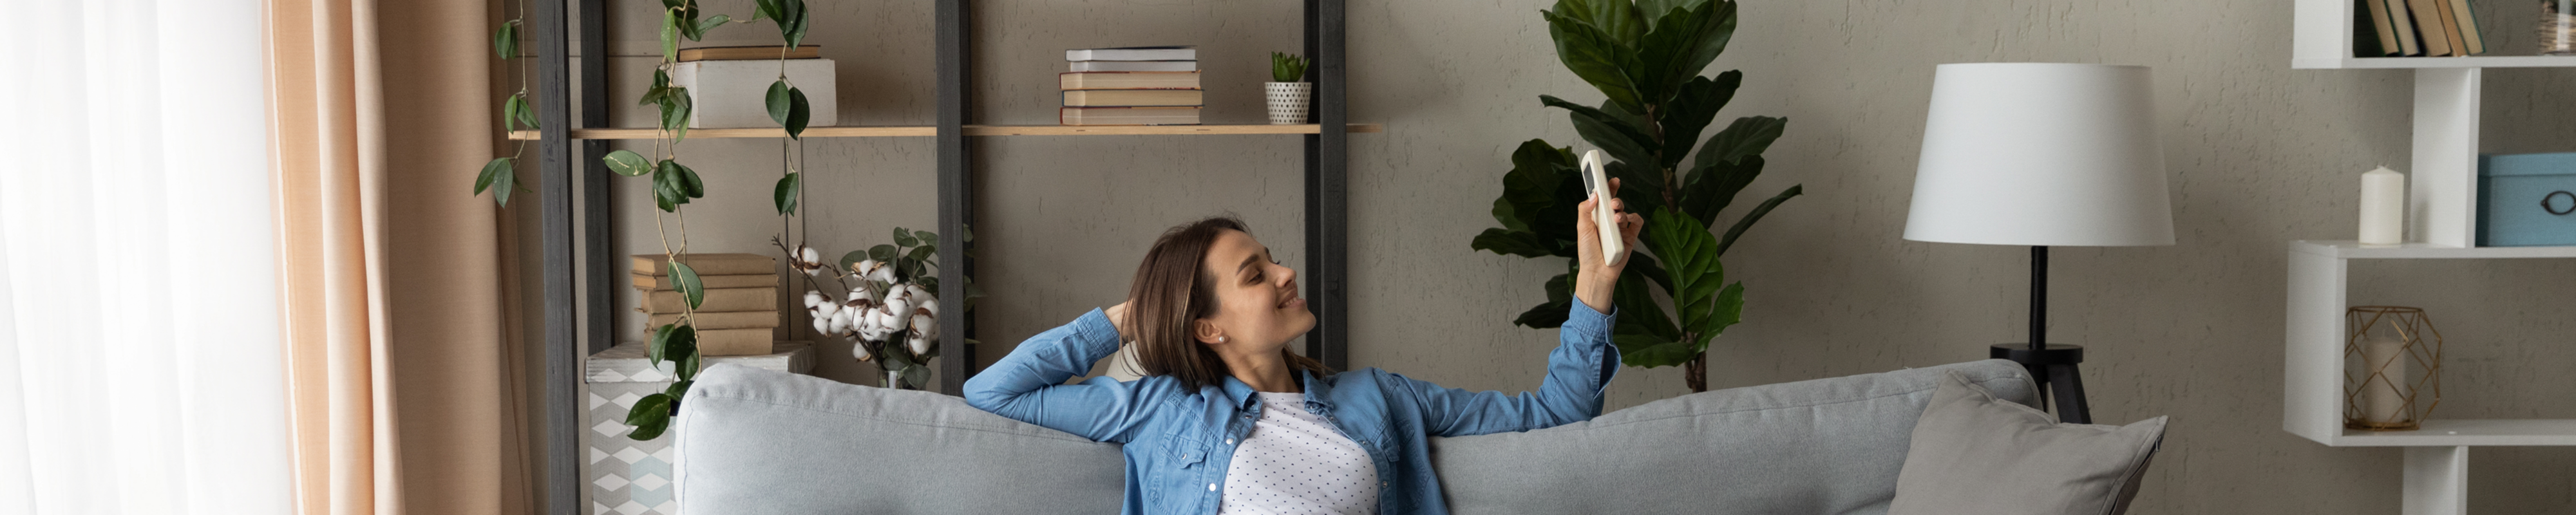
x=402, y=394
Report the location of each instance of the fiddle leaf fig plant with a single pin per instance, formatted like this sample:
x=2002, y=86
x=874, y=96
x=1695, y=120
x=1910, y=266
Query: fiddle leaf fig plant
x=1645, y=56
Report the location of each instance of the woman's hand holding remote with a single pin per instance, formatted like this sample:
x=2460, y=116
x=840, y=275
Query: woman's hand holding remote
x=1597, y=275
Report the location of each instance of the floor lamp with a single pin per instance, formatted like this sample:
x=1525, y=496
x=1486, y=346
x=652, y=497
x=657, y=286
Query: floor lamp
x=2042, y=155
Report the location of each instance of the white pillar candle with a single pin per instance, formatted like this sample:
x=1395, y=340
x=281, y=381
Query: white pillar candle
x=2383, y=207
x=2383, y=397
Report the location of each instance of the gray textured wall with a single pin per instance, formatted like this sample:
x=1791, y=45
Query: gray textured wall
x=2259, y=154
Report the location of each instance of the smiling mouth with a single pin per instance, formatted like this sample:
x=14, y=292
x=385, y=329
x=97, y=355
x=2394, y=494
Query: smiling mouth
x=1291, y=298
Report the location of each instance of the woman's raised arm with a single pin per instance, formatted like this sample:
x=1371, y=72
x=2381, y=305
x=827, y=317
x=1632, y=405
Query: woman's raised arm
x=1028, y=385
x=1577, y=372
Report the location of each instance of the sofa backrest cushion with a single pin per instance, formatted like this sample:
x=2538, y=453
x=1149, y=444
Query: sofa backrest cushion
x=754, y=441
x=1827, y=446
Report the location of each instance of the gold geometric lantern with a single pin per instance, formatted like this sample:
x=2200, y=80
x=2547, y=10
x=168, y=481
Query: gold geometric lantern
x=2392, y=368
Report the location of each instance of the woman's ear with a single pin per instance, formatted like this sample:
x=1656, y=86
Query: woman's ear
x=1207, y=332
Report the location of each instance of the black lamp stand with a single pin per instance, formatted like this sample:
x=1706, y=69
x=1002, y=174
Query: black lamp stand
x=2051, y=365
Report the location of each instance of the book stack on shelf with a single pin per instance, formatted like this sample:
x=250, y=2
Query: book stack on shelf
x=740, y=308
x=2416, y=28
x=729, y=86
x=1131, y=86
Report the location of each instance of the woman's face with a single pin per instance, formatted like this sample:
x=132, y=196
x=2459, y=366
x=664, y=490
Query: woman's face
x=1257, y=306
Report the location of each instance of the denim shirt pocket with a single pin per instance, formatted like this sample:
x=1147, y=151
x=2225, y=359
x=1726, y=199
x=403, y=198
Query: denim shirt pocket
x=1175, y=480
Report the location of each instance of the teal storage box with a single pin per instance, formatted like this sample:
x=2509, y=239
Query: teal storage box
x=2527, y=200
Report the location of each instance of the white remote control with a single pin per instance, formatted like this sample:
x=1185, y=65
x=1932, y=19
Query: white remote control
x=1596, y=184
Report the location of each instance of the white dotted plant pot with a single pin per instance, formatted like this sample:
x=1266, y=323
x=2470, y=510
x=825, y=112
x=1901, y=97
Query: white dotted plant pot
x=1288, y=101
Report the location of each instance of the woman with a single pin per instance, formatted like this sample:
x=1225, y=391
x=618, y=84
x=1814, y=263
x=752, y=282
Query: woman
x=1226, y=420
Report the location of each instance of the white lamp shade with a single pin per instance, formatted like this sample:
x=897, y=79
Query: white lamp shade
x=2041, y=154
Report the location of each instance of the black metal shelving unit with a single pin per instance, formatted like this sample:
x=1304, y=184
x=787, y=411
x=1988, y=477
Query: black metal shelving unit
x=579, y=263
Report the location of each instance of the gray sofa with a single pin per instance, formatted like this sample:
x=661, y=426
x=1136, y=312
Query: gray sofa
x=752, y=441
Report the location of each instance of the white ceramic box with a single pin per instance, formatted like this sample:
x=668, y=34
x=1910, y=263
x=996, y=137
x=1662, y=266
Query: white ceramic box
x=629, y=477
x=730, y=94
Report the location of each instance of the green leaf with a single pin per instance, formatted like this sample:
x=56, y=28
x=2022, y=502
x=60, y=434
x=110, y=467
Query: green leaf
x=689, y=179
x=627, y=163
x=505, y=41
x=776, y=100
x=791, y=21
x=1689, y=254
x=927, y=256
x=1748, y=136
x=1645, y=350
x=661, y=87
x=678, y=390
x=786, y=194
x=651, y=415
x=1710, y=189
x=491, y=172
x=853, y=257
x=1639, y=312
x=1597, y=57
x=798, y=113
x=710, y=24
x=883, y=252
x=916, y=376
x=765, y=9
x=659, y=351
x=675, y=113
x=671, y=35
x=1623, y=141
x=684, y=349
x=1617, y=18
x=1756, y=215
x=685, y=279
x=515, y=110
x=1728, y=310
x=1546, y=315
x=927, y=238
x=1512, y=243
x=1690, y=110
x=1529, y=189
x=903, y=238
x=1684, y=40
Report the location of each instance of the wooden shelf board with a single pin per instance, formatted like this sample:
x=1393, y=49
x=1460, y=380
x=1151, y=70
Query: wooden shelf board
x=810, y=132
x=2346, y=249
x=2499, y=61
x=2471, y=432
x=971, y=130
x=1122, y=130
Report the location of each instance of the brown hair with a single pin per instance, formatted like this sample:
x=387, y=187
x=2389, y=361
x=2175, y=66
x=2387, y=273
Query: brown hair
x=1172, y=291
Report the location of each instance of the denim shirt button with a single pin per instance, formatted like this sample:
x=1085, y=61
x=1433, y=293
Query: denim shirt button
x=1211, y=487
x=1229, y=441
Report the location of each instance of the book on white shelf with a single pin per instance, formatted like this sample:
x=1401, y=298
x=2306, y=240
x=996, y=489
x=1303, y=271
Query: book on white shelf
x=2400, y=23
x=1134, y=53
x=1128, y=80
x=2428, y=27
x=1129, y=116
x=1135, y=66
x=2467, y=27
x=1131, y=97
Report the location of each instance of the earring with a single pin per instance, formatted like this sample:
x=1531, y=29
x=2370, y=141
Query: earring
x=1220, y=339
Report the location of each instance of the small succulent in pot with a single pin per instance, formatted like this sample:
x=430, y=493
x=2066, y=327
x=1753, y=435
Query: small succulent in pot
x=1288, y=93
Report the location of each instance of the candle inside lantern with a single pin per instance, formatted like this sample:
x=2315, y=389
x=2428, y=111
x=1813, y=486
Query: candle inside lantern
x=2383, y=401
x=2383, y=207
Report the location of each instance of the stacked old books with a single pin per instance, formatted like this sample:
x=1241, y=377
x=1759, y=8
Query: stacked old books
x=739, y=311
x=1131, y=86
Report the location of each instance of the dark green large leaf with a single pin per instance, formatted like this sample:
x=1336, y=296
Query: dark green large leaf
x=776, y=101
x=516, y=111
x=787, y=193
x=1537, y=171
x=1622, y=140
x=1748, y=136
x=1617, y=18
x=1689, y=254
x=1714, y=187
x=1597, y=57
x=1513, y=243
x=685, y=280
x=709, y=24
x=799, y=113
x=1648, y=351
x=657, y=352
x=661, y=86
x=1728, y=310
x=670, y=35
x=627, y=163
x=791, y=21
x=1682, y=43
x=1690, y=111
x=1639, y=313
x=1756, y=215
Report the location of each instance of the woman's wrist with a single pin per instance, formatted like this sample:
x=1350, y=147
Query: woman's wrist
x=1118, y=319
x=1593, y=292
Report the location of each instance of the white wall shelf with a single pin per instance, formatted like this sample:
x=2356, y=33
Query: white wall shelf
x=2348, y=249
x=2466, y=432
x=2479, y=61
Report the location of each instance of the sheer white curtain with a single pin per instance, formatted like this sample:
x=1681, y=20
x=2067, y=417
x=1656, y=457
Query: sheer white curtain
x=140, y=369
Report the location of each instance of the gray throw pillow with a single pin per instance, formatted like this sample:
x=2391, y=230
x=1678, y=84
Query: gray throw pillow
x=1973, y=454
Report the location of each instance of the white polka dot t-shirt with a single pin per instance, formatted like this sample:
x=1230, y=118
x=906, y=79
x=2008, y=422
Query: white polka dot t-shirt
x=1295, y=462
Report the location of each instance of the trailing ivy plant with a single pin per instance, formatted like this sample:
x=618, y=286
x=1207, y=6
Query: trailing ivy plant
x=1645, y=56
x=674, y=184
x=514, y=113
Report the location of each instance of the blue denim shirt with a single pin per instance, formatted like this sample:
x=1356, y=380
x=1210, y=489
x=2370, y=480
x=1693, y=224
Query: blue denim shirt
x=1178, y=442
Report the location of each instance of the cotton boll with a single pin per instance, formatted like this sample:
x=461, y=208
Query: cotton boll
x=860, y=351
x=809, y=255
x=858, y=295
x=823, y=325
x=816, y=298
x=920, y=345
x=919, y=294
x=923, y=326
x=841, y=321
x=873, y=270
x=894, y=322
x=928, y=306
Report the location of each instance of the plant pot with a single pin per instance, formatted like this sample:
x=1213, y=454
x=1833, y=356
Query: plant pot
x=1288, y=101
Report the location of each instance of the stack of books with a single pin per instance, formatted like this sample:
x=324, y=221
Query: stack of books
x=1131, y=86
x=740, y=309
x=2416, y=28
